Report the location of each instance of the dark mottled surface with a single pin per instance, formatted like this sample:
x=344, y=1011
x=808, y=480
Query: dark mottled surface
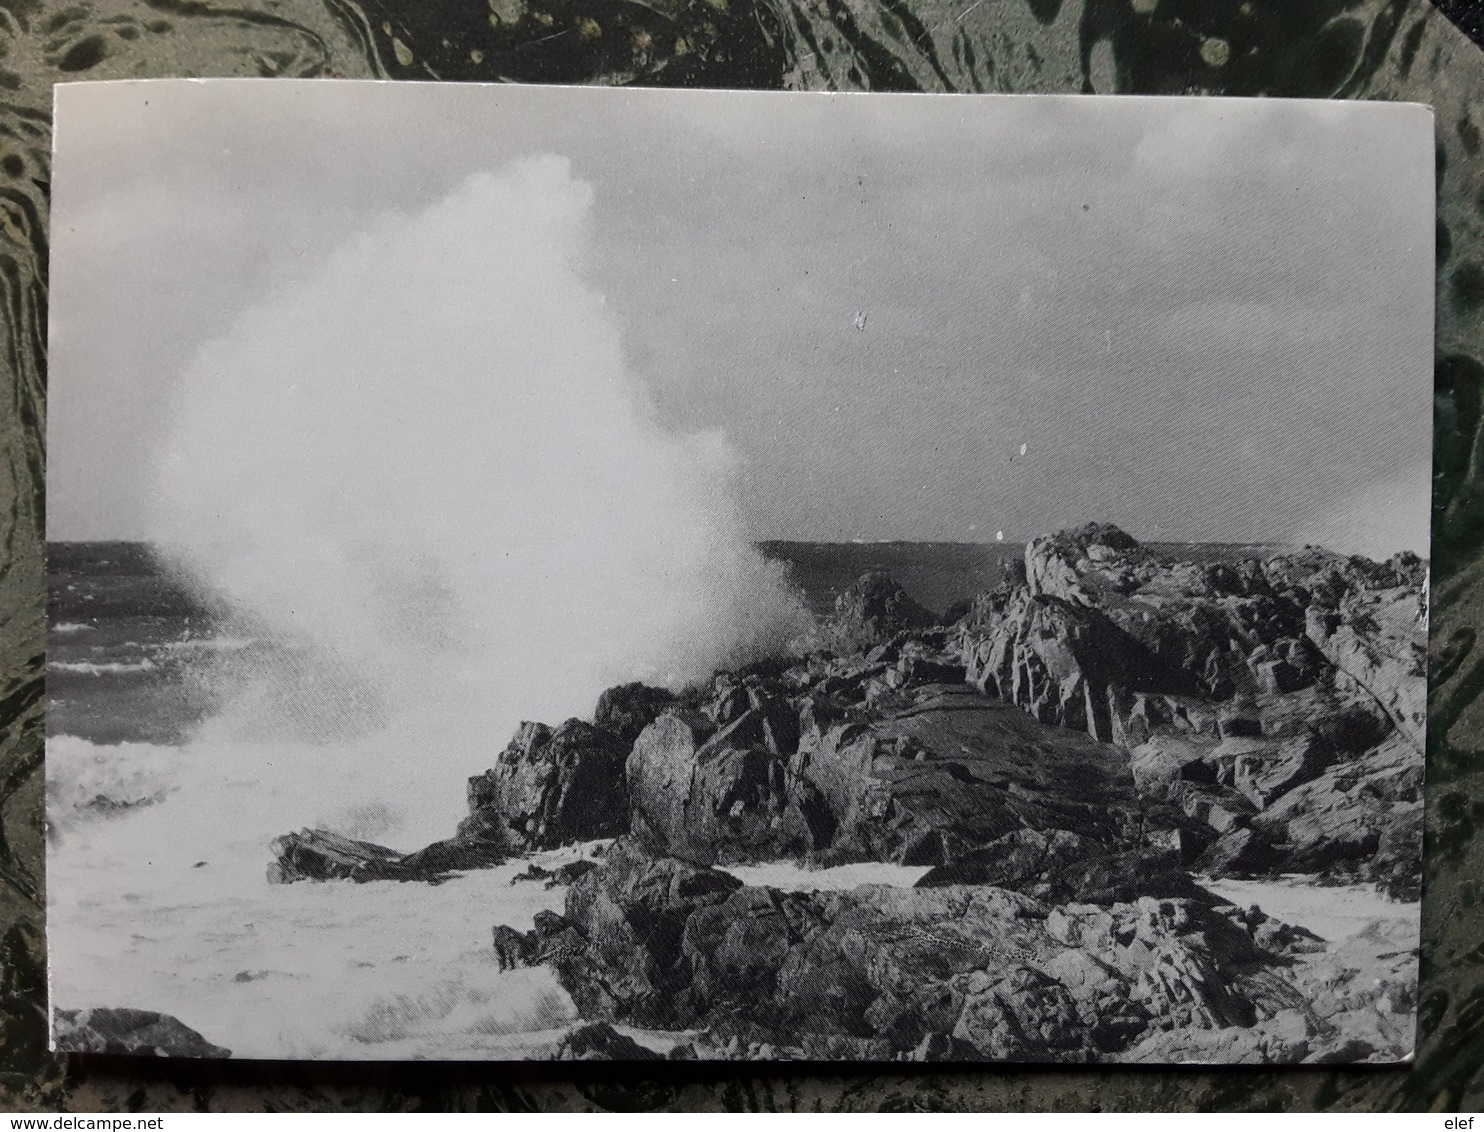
x=1382, y=49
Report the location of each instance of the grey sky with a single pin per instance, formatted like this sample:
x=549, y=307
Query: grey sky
x=1204, y=319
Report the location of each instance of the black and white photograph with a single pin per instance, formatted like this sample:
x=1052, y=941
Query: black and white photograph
x=586, y=574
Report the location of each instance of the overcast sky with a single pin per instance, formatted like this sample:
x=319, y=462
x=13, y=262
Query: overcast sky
x=1205, y=320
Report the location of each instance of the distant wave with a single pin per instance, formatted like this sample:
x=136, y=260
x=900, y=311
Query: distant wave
x=211, y=644
x=106, y=668
x=71, y=627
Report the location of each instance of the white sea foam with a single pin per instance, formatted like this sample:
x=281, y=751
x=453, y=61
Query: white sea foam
x=788, y=877
x=67, y=627
x=1332, y=912
x=79, y=773
x=167, y=908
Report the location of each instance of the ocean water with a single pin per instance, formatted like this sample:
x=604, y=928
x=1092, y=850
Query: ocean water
x=936, y=574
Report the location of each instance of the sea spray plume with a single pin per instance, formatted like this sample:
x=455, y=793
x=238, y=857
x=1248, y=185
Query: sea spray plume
x=425, y=470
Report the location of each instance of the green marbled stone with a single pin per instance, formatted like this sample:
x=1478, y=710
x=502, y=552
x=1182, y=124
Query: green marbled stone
x=1375, y=49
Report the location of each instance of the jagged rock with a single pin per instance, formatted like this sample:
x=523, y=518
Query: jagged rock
x=631, y=915
x=512, y=948
x=628, y=709
x=1117, y=878
x=1284, y=1039
x=123, y=1030
x=1058, y=659
x=1052, y=561
x=1062, y=868
x=1278, y=937
x=817, y=714
x=1265, y=772
x=478, y=844
x=1281, y=679
x=552, y=788
x=920, y=668
x=1380, y=641
x=566, y=874
x=1220, y=807
x=552, y=878
x=1334, y=822
x=729, y=703
x=926, y=776
x=1024, y=1015
x=1162, y=763
x=1238, y=853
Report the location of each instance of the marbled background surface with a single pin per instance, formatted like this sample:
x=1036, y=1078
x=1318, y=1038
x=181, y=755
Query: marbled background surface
x=1378, y=49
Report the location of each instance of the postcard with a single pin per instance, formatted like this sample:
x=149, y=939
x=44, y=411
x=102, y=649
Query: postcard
x=564, y=573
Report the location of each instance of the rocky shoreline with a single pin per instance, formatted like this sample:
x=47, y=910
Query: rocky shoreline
x=1070, y=759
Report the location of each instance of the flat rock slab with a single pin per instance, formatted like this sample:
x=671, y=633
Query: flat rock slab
x=122, y=1030
x=960, y=751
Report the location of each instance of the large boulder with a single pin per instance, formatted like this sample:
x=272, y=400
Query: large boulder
x=1335, y=822
x=1056, y=564
x=871, y=611
x=628, y=709
x=552, y=788
x=720, y=796
x=618, y=947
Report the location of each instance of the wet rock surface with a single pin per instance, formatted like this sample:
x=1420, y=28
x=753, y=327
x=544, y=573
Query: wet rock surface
x=552, y=787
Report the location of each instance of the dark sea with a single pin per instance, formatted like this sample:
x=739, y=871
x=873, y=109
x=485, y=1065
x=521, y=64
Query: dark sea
x=124, y=639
